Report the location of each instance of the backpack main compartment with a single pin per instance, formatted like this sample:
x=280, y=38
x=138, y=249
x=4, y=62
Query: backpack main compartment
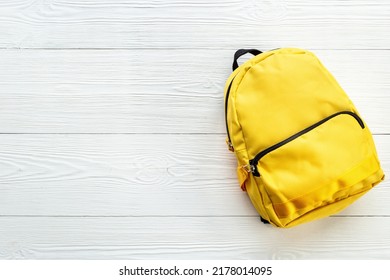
x=303, y=150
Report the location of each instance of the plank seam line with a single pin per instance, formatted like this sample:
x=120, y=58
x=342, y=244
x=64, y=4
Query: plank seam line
x=110, y=133
x=178, y=48
x=171, y=216
x=126, y=133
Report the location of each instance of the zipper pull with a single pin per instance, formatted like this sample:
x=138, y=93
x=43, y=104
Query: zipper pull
x=242, y=175
x=249, y=168
x=243, y=172
x=252, y=166
x=230, y=145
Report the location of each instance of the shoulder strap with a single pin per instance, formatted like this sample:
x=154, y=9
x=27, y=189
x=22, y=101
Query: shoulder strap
x=240, y=53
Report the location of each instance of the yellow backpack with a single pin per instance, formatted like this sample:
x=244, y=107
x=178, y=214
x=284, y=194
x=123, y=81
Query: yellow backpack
x=303, y=150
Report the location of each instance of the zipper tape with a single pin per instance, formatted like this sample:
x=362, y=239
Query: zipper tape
x=254, y=162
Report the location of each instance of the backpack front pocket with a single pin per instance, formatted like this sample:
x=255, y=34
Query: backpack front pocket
x=317, y=166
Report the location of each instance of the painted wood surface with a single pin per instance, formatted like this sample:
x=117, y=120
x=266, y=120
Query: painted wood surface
x=191, y=238
x=112, y=127
x=153, y=91
x=130, y=175
x=194, y=24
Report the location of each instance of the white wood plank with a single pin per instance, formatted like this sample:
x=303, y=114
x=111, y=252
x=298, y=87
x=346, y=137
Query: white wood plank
x=136, y=175
x=153, y=91
x=166, y=189
x=191, y=238
x=187, y=24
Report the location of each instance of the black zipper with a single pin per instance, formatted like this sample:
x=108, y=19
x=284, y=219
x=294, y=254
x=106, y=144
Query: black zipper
x=253, y=162
x=231, y=148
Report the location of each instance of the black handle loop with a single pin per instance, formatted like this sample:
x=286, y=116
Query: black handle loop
x=240, y=53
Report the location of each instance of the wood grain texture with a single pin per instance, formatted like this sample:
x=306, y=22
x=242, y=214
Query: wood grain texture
x=189, y=24
x=153, y=91
x=112, y=127
x=191, y=238
x=136, y=175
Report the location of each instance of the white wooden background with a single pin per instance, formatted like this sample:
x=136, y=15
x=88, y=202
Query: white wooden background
x=112, y=127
